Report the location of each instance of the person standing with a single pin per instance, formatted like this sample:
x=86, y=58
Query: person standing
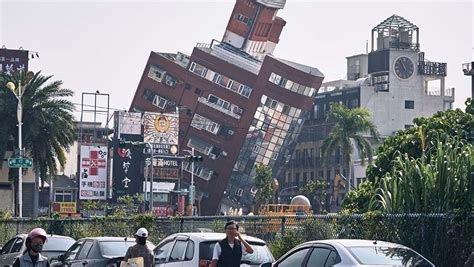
x=229, y=251
x=34, y=245
x=141, y=249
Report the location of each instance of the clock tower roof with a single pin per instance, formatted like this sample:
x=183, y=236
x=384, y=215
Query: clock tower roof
x=396, y=32
x=395, y=22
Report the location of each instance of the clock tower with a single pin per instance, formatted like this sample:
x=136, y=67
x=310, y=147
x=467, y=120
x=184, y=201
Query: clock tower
x=403, y=84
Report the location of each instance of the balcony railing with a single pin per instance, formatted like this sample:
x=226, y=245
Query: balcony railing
x=437, y=92
x=204, y=101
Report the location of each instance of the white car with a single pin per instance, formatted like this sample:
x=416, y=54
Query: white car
x=351, y=252
x=195, y=249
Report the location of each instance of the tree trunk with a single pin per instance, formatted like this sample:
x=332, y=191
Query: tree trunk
x=36, y=194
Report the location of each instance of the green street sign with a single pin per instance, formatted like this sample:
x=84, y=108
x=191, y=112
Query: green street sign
x=20, y=163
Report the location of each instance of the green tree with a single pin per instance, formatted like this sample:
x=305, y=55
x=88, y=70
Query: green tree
x=263, y=182
x=350, y=125
x=315, y=190
x=48, y=122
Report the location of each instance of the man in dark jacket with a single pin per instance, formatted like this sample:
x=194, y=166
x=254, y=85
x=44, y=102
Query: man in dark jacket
x=229, y=251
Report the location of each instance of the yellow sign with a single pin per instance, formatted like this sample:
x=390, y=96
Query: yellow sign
x=65, y=207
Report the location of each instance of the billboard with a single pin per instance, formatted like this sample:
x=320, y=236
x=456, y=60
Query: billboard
x=13, y=60
x=65, y=207
x=127, y=168
x=160, y=128
x=93, y=172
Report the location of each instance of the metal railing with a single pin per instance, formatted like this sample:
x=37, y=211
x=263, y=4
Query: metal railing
x=443, y=239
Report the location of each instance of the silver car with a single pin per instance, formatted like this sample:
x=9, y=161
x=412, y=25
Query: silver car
x=55, y=246
x=195, y=250
x=351, y=252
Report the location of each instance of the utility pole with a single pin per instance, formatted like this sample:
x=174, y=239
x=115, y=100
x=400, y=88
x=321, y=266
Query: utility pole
x=192, y=158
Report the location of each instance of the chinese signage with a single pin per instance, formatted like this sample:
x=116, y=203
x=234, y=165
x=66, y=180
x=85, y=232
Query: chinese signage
x=130, y=123
x=160, y=128
x=64, y=207
x=163, y=211
x=127, y=168
x=13, y=60
x=93, y=172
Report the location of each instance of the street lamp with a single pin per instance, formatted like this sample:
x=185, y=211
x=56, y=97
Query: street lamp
x=19, y=113
x=284, y=189
x=151, y=177
x=191, y=187
x=192, y=158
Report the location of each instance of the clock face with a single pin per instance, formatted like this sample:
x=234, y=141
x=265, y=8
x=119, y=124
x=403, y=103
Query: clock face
x=404, y=67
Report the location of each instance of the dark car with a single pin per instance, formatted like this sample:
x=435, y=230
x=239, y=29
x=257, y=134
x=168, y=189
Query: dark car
x=15, y=247
x=96, y=251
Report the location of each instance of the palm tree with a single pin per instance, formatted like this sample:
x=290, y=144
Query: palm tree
x=350, y=125
x=48, y=122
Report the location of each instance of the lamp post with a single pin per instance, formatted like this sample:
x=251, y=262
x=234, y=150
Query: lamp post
x=191, y=187
x=19, y=113
x=283, y=190
x=151, y=177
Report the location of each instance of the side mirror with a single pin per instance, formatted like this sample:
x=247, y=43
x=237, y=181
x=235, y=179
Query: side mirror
x=61, y=257
x=268, y=264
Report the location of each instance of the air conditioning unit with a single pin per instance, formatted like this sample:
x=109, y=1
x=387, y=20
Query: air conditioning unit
x=230, y=132
x=253, y=190
x=239, y=192
x=224, y=153
x=212, y=156
x=171, y=83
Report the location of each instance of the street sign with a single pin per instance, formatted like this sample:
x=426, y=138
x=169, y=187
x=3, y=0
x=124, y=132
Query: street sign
x=20, y=163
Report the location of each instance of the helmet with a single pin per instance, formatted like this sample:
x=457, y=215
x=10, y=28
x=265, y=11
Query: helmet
x=142, y=232
x=38, y=232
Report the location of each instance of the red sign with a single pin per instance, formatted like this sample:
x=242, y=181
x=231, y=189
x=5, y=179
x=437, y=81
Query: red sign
x=94, y=163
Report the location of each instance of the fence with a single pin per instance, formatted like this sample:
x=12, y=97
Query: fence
x=444, y=239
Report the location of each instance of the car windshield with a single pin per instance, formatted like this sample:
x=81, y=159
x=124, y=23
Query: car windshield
x=387, y=256
x=115, y=248
x=58, y=244
x=260, y=255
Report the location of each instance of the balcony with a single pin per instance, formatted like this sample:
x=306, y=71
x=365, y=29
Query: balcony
x=179, y=58
x=204, y=101
x=449, y=92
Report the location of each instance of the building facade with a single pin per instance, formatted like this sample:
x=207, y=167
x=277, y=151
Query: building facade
x=394, y=82
x=238, y=104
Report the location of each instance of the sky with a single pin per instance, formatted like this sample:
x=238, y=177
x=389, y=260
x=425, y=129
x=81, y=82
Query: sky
x=104, y=45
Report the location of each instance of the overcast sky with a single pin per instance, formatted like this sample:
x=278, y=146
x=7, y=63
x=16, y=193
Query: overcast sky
x=104, y=45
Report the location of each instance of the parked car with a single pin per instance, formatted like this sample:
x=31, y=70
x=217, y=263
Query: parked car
x=14, y=248
x=351, y=252
x=96, y=251
x=195, y=249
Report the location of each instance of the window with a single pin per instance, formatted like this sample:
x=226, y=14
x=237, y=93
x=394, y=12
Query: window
x=189, y=251
x=17, y=245
x=322, y=257
x=85, y=250
x=8, y=246
x=245, y=90
x=203, y=123
x=72, y=252
x=64, y=196
x=177, y=254
x=160, y=101
x=295, y=259
x=156, y=73
x=409, y=104
x=198, y=69
x=199, y=145
x=171, y=81
x=243, y=18
x=162, y=252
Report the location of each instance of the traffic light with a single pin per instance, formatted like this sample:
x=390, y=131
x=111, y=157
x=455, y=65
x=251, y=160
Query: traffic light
x=193, y=158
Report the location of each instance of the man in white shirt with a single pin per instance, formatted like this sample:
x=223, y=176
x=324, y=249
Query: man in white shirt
x=229, y=251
